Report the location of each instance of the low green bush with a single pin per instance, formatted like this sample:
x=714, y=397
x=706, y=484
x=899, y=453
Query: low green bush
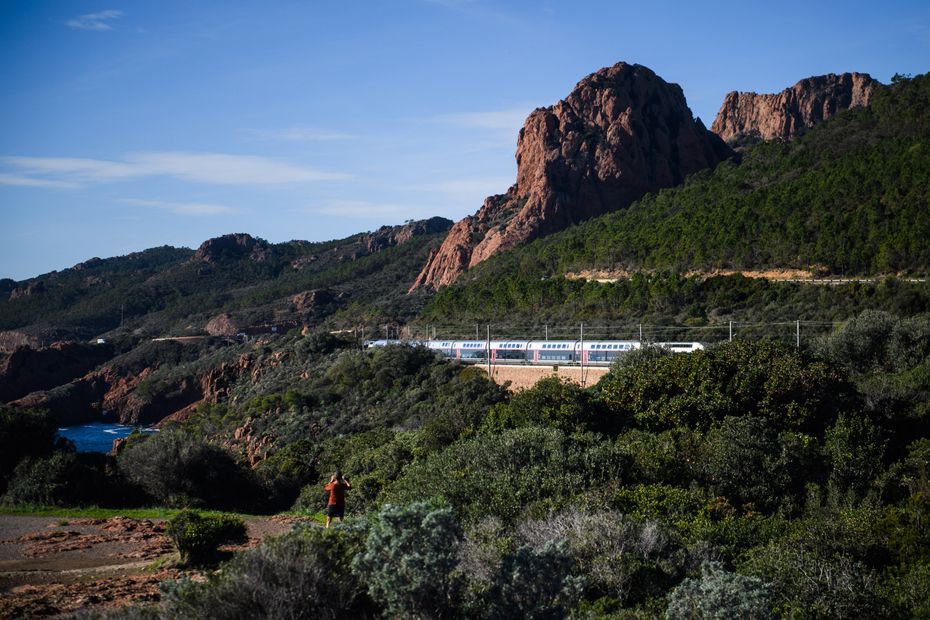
x=409, y=558
x=23, y=433
x=62, y=479
x=198, y=537
x=719, y=594
x=179, y=471
x=302, y=575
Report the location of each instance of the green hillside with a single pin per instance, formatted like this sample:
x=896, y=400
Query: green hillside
x=849, y=198
x=170, y=291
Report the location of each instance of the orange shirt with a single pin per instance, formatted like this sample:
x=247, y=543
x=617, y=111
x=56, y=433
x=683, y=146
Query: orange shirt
x=337, y=493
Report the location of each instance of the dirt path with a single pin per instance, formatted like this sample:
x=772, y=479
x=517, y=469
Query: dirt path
x=802, y=276
x=51, y=565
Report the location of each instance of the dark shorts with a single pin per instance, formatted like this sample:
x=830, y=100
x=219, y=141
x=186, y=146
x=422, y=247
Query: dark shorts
x=336, y=511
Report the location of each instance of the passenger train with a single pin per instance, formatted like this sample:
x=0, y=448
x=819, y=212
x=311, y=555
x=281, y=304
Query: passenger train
x=588, y=352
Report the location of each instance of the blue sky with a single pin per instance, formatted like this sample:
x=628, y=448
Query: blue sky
x=127, y=125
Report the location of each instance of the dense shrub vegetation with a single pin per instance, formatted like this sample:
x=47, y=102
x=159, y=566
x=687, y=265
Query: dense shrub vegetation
x=747, y=480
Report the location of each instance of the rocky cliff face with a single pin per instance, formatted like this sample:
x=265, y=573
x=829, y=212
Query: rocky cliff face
x=621, y=133
x=745, y=118
x=112, y=393
x=27, y=370
x=233, y=247
x=390, y=236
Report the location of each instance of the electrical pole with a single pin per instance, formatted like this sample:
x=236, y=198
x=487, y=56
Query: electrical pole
x=488, y=351
x=731, y=331
x=798, y=334
x=547, y=332
x=581, y=335
x=640, y=334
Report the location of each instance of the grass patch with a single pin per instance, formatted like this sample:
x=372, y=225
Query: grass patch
x=318, y=517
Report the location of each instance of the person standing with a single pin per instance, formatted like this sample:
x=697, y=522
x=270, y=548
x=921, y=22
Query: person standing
x=336, y=506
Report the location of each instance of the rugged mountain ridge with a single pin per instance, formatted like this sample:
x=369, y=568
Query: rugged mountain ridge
x=749, y=117
x=176, y=291
x=622, y=132
x=846, y=200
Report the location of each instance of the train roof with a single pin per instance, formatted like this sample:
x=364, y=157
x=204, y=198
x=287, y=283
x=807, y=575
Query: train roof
x=611, y=345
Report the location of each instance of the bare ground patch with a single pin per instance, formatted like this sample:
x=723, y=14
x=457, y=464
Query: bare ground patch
x=523, y=377
x=51, y=566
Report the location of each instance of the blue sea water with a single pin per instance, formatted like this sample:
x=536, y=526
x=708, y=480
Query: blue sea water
x=97, y=436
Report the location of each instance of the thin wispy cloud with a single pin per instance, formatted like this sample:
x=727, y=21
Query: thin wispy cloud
x=183, y=208
x=208, y=168
x=101, y=20
x=507, y=119
x=23, y=181
x=300, y=134
x=491, y=129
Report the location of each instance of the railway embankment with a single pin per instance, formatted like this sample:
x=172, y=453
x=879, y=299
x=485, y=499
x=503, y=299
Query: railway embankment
x=522, y=377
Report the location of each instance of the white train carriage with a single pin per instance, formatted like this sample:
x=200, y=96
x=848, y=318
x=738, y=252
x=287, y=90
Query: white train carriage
x=511, y=351
x=444, y=347
x=470, y=350
x=552, y=351
x=606, y=351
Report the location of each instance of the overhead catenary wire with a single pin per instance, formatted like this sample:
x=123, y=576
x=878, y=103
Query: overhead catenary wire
x=786, y=330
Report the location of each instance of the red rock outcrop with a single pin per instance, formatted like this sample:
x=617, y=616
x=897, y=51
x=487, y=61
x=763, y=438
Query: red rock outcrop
x=222, y=325
x=12, y=340
x=28, y=289
x=176, y=400
x=233, y=247
x=621, y=133
x=113, y=393
x=390, y=236
x=28, y=370
x=748, y=117
x=308, y=301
